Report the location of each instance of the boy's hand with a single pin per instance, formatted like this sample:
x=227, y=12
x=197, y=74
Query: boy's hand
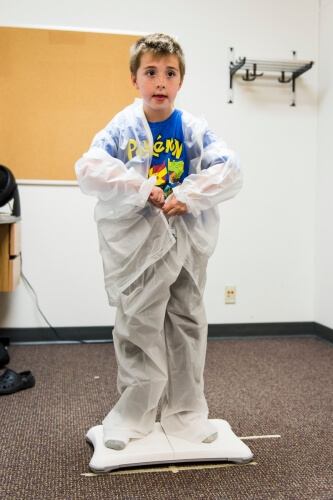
x=156, y=197
x=174, y=207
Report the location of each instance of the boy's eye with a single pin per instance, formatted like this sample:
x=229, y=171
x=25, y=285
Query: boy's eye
x=150, y=72
x=171, y=73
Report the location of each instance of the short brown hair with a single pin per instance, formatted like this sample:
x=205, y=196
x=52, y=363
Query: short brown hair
x=160, y=45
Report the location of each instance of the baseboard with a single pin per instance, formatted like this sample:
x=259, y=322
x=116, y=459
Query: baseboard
x=215, y=331
x=323, y=332
x=58, y=334
x=261, y=330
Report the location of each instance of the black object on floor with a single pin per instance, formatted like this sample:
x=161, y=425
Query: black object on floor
x=11, y=381
x=4, y=356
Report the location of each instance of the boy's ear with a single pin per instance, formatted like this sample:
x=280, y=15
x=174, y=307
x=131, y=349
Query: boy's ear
x=133, y=80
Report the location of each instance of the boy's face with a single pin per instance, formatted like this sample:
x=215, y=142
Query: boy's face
x=158, y=80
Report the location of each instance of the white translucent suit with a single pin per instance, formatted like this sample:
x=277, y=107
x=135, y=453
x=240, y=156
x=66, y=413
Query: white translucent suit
x=155, y=270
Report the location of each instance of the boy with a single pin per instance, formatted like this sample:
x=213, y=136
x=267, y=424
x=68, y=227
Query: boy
x=159, y=174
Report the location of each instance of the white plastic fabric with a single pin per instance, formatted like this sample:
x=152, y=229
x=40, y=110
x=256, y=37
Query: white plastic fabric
x=160, y=339
x=132, y=233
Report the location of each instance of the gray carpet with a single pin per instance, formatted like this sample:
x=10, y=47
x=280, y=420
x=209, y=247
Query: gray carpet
x=261, y=387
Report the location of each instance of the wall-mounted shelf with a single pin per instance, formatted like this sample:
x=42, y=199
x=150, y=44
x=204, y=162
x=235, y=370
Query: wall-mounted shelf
x=288, y=70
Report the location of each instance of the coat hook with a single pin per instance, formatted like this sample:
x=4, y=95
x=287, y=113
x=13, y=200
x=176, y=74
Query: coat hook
x=249, y=77
x=283, y=79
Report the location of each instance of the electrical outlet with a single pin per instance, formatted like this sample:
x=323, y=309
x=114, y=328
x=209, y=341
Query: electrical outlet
x=230, y=294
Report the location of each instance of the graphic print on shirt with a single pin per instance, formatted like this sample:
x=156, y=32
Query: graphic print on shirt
x=168, y=175
x=169, y=158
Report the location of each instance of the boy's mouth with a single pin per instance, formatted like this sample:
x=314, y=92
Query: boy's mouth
x=160, y=97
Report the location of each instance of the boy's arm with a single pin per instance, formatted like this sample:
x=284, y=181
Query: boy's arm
x=219, y=182
x=101, y=175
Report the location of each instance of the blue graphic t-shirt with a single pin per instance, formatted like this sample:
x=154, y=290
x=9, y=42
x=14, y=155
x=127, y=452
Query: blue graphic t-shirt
x=169, y=163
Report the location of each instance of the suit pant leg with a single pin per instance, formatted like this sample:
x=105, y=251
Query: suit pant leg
x=184, y=407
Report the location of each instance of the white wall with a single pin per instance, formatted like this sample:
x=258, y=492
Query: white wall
x=324, y=205
x=267, y=237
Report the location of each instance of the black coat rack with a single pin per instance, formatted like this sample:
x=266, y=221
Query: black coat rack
x=253, y=68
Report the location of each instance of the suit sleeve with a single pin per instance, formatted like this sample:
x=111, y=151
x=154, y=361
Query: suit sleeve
x=218, y=176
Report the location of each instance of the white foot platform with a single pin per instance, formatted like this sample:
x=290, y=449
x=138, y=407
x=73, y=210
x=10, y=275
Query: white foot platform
x=157, y=448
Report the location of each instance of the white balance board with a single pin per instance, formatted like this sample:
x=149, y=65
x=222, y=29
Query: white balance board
x=158, y=448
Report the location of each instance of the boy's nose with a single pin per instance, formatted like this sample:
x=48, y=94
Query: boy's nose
x=160, y=84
